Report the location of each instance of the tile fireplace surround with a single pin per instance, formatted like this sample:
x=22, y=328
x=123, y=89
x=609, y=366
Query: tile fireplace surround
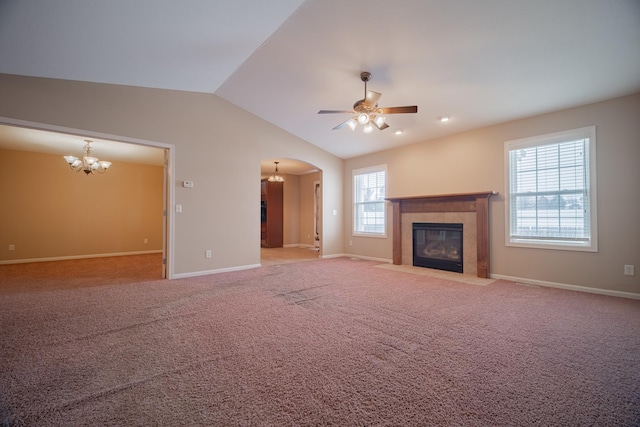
x=470, y=209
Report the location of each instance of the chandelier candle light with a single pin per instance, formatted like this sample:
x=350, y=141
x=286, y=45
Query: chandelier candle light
x=88, y=164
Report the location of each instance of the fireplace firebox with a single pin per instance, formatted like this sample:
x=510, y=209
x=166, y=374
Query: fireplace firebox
x=438, y=245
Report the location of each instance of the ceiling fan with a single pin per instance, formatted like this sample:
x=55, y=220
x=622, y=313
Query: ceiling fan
x=366, y=111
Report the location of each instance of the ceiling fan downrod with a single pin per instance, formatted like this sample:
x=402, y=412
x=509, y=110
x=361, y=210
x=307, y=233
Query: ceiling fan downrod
x=365, y=76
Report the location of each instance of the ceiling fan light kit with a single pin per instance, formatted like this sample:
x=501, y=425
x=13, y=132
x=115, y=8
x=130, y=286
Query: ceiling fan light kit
x=366, y=111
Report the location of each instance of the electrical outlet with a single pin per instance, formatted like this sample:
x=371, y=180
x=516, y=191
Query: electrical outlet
x=350, y=243
x=146, y=241
x=207, y=254
x=629, y=270
x=12, y=247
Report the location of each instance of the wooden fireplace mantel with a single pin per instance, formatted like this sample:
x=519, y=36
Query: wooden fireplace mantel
x=464, y=202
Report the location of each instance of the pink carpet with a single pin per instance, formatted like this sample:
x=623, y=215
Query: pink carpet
x=326, y=342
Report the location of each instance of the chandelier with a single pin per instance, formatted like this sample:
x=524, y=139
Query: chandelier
x=275, y=176
x=88, y=164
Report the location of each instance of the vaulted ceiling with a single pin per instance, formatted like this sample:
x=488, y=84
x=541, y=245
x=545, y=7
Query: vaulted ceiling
x=477, y=62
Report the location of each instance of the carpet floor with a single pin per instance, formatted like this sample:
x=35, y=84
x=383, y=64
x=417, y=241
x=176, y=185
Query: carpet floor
x=323, y=342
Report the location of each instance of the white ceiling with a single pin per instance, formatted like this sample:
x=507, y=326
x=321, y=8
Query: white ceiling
x=479, y=62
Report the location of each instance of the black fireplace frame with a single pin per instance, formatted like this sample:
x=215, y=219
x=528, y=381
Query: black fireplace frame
x=456, y=266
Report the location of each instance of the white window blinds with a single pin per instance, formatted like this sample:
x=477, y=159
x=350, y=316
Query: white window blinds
x=550, y=189
x=369, y=187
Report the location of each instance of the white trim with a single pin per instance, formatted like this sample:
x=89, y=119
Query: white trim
x=332, y=256
x=65, y=258
x=80, y=132
x=377, y=236
x=99, y=135
x=568, y=287
x=300, y=245
x=216, y=271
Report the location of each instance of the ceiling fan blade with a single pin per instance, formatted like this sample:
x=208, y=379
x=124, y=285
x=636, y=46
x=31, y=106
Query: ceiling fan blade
x=341, y=125
x=381, y=127
x=336, y=111
x=400, y=110
x=372, y=98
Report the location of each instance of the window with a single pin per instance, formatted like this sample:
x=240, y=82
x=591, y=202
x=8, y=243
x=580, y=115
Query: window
x=551, y=191
x=369, y=210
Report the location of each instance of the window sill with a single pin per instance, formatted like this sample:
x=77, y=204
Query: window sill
x=377, y=236
x=559, y=246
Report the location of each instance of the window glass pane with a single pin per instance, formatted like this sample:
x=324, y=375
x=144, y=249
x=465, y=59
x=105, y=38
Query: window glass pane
x=526, y=182
x=572, y=178
x=547, y=157
x=548, y=180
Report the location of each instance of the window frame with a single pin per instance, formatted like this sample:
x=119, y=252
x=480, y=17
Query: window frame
x=591, y=244
x=355, y=203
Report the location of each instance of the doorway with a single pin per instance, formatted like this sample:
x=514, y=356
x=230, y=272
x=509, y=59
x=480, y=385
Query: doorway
x=39, y=139
x=301, y=212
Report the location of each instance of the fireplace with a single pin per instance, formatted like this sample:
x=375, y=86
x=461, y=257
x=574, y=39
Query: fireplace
x=470, y=209
x=438, y=245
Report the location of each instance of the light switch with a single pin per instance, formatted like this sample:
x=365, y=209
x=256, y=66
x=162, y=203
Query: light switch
x=179, y=208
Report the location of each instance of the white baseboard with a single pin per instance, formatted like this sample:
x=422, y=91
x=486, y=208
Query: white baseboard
x=568, y=287
x=298, y=245
x=216, y=271
x=65, y=258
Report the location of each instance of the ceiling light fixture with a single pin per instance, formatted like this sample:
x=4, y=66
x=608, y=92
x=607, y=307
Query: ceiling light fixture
x=88, y=164
x=275, y=176
x=366, y=111
x=444, y=119
x=379, y=121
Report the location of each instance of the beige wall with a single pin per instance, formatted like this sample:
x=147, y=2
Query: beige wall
x=474, y=161
x=50, y=211
x=218, y=146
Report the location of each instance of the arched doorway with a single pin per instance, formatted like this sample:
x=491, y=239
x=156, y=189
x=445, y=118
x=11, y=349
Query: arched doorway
x=301, y=213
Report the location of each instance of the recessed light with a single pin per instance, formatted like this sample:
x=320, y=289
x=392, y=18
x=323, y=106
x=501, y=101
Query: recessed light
x=398, y=132
x=444, y=119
